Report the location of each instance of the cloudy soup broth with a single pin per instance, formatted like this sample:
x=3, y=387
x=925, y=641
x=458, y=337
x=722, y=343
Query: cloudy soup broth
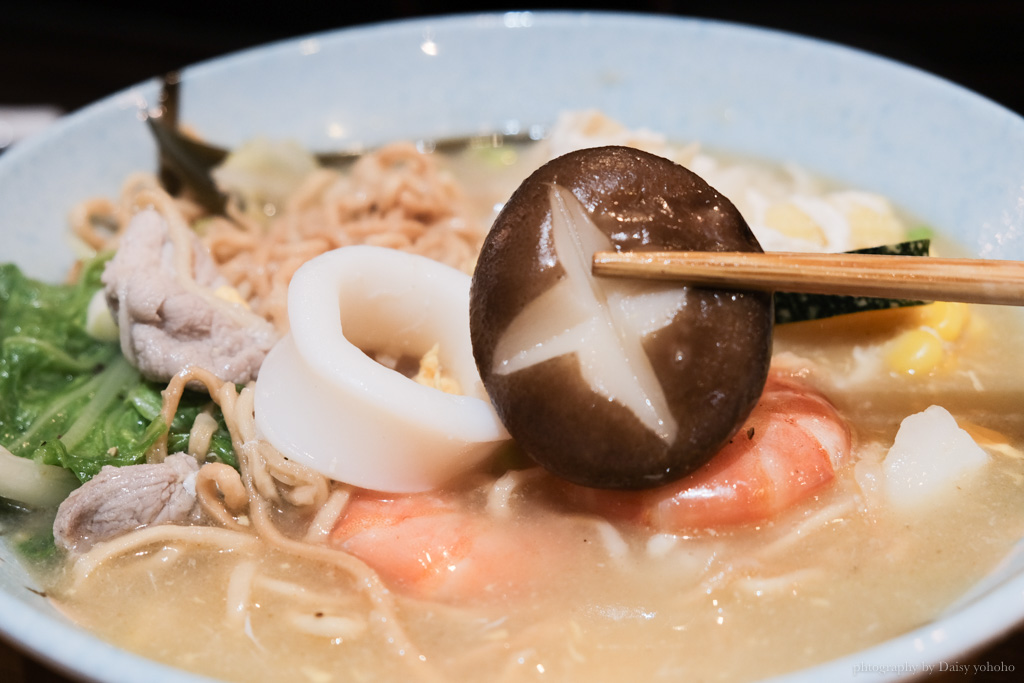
x=556, y=590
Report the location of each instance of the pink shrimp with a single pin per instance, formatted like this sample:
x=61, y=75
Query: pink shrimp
x=429, y=546
x=432, y=545
x=788, y=449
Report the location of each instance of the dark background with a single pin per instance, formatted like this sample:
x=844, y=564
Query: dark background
x=68, y=54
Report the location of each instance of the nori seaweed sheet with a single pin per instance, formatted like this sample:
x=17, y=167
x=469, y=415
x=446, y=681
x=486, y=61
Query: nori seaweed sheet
x=792, y=307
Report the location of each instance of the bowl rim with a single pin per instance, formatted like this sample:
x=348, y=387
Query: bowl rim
x=85, y=656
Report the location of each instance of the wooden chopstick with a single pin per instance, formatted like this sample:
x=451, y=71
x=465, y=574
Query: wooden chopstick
x=980, y=281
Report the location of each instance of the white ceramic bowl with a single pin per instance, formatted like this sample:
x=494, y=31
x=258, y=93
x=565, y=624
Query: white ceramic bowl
x=951, y=157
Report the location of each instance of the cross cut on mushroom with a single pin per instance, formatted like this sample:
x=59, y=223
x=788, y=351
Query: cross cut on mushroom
x=602, y=322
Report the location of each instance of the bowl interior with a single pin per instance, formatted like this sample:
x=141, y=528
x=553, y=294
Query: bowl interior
x=945, y=154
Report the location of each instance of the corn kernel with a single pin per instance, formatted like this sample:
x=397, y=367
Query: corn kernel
x=915, y=352
x=792, y=221
x=870, y=228
x=947, y=318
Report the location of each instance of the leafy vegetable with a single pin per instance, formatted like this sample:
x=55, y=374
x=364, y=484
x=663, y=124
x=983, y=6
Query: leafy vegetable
x=71, y=400
x=29, y=531
x=920, y=232
x=791, y=307
x=38, y=547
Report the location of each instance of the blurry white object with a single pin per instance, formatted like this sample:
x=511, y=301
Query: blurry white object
x=17, y=123
x=590, y=128
x=929, y=456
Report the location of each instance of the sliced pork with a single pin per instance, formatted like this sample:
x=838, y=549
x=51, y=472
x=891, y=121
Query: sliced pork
x=168, y=299
x=120, y=499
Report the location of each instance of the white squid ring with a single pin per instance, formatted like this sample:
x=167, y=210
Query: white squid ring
x=326, y=404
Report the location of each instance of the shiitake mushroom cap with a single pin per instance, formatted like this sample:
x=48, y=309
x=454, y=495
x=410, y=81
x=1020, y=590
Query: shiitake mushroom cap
x=711, y=360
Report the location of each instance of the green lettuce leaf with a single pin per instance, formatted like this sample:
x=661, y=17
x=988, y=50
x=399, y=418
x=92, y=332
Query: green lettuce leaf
x=71, y=400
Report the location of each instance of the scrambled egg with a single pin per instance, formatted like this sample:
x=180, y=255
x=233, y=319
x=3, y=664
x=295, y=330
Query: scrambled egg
x=431, y=373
